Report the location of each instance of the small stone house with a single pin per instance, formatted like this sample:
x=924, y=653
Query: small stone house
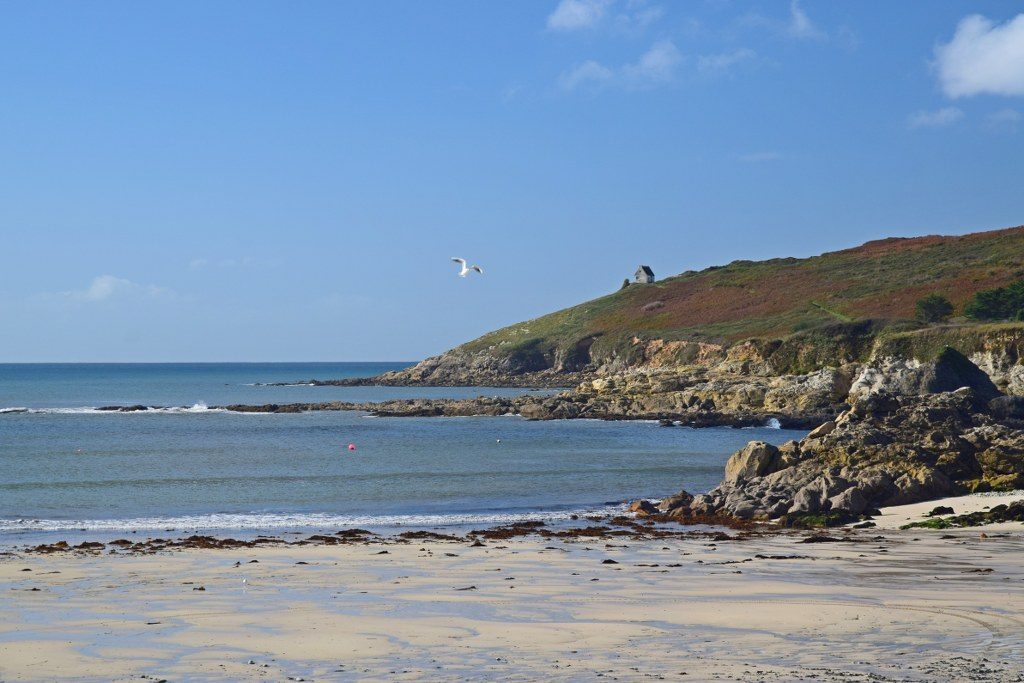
x=644, y=275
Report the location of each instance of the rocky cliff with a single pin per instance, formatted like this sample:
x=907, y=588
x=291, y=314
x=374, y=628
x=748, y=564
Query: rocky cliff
x=777, y=317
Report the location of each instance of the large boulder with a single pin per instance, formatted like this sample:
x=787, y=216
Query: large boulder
x=822, y=430
x=755, y=459
x=1011, y=407
x=851, y=500
x=951, y=370
x=676, y=502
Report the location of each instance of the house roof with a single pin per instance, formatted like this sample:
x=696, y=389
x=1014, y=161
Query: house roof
x=646, y=270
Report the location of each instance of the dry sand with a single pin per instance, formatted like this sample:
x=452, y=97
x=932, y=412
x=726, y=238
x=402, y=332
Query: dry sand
x=877, y=606
x=895, y=517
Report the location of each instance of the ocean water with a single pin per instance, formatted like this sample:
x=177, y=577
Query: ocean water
x=66, y=467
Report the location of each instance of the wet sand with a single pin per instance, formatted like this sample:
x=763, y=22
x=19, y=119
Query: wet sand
x=911, y=605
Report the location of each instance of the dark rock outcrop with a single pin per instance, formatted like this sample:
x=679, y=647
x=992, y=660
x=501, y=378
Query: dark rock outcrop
x=458, y=368
x=885, y=450
x=1012, y=512
x=417, y=407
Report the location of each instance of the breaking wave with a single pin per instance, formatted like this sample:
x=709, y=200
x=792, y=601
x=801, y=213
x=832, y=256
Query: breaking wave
x=279, y=521
x=198, y=408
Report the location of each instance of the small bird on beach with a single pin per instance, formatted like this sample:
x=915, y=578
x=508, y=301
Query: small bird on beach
x=466, y=269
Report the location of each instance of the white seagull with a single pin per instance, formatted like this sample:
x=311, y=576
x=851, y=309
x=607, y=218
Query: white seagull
x=465, y=269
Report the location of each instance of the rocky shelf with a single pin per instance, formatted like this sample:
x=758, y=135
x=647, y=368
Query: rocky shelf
x=884, y=450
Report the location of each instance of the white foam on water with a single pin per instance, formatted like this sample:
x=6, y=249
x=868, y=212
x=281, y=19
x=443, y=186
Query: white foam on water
x=197, y=408
x=773, y=423
x=271, y=521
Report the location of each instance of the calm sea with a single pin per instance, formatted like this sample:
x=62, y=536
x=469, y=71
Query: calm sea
x=65, y=466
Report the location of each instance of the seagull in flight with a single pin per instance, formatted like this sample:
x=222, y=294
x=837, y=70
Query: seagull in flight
x=465, y=269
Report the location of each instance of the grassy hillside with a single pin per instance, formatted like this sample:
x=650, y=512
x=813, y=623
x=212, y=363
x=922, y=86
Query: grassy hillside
x=879, y=281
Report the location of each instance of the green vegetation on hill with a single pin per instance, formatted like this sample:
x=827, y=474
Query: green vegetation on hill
x=877, y=284
x=1001, y=303
x=933, y=308
x=926, y=344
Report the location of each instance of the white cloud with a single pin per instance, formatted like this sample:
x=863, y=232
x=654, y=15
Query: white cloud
x=587, y=72
x=573, y=15
x=637, y=16
x=724, y=61
x=983, y=58
x=1004, y=119
x=106, y=287
x=759, y=157
x=656, y=66
x=797, y=26
x=939, y=118
x=801, y=26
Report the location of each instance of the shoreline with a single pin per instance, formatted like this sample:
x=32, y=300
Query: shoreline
x=608, y=521
x=735, y=605
x=524, y=406
x=596, y=526
x=593, y=523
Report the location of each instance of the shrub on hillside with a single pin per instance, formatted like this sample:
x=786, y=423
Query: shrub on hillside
x=933, y=308
x=1002, y=303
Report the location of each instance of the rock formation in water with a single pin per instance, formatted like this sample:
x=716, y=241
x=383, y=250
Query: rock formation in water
x=884, y=450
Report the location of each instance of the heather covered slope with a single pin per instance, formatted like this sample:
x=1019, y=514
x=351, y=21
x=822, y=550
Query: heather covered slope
x=878, y=281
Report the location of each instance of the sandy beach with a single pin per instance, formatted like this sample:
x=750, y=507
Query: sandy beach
x=857, y=606
x=900, y=515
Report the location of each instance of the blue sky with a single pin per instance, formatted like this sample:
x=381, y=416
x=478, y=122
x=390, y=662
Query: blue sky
x=287, y=181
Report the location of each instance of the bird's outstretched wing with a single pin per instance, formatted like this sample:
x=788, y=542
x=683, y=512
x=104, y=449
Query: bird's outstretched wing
x=459, y=260
x=477, y=269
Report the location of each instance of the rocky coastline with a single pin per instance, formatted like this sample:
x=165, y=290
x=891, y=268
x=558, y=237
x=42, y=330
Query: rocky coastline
x=509, y=381
x=884, y=450
x=900, y=426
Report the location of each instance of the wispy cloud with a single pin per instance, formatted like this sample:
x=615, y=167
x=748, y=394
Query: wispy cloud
x=574, y=15
x=106, y=287
x=630, y=17
x=1004, y=119
x=723, y=62
x=801, y=26
x=655, y=67
x=939, y=118
x=983, y=58
x=588, y=72
x=511, y=92
x=797, y=26
x=637, y=16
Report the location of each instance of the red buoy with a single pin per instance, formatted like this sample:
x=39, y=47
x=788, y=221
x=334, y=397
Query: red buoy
x=351, y=446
